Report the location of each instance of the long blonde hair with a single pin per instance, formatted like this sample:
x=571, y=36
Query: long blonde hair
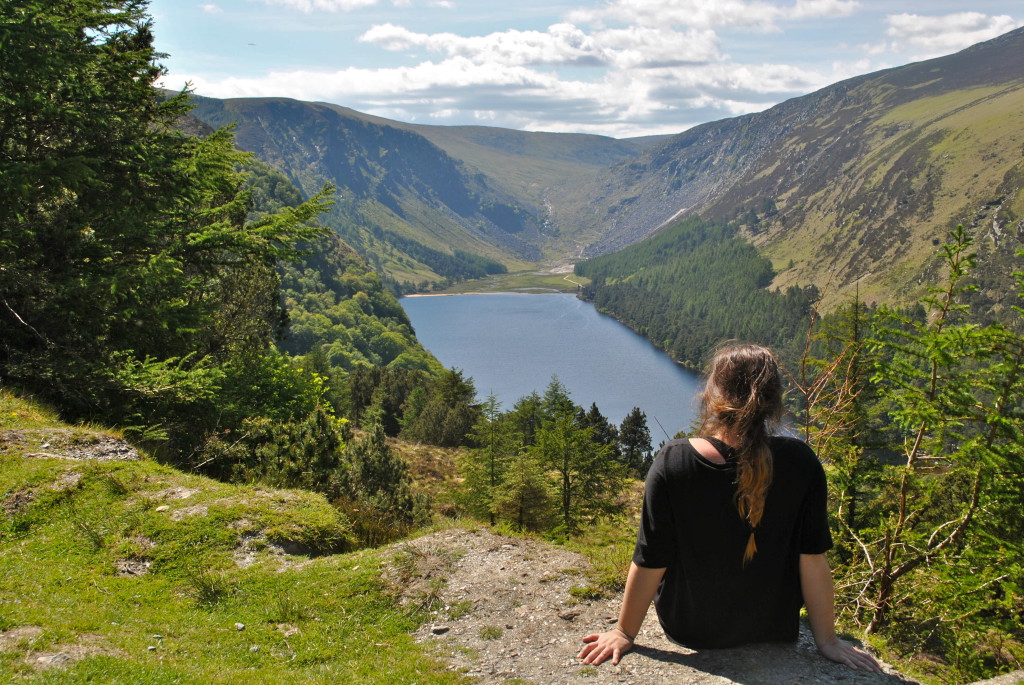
x=742, y=399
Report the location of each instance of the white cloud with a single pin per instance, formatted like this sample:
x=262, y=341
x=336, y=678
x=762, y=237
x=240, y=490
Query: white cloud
x=561, y=44
x=618, y=102
x=628, y=67
x=809, y=9
x=748, y=14
x=211, y=9
x=646, y=47
x=940, y=35
x=323, y=5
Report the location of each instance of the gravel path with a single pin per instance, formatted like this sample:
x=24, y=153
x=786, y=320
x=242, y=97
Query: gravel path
x=503, y=613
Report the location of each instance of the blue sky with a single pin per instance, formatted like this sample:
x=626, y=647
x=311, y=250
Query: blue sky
x=613, y=67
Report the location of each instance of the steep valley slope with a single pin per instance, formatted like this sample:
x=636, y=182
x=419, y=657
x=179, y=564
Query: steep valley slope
x=851, y=188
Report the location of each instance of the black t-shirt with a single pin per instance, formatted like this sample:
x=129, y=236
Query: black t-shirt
x=690, y=526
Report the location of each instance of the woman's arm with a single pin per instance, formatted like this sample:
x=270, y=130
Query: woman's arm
x=816, y=584
x=641, y=584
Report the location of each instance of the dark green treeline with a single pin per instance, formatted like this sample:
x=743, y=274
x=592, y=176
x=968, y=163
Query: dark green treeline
x=693, y=285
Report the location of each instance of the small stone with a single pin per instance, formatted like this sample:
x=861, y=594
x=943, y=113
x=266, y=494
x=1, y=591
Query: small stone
x=57, y=660
x=162, y=507
x=151, y=648
x=158, y=637
x=569, y=615
x=254, y=648
x=439, y=630
x=239, y=626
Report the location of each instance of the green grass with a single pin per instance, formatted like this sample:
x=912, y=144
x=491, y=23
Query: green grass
x=521, y=281
x=133, y=571
x=491, y=633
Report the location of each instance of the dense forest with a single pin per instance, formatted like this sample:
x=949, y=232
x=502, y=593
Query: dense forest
x=693, y=285
x=166, y=283
x=169, y=285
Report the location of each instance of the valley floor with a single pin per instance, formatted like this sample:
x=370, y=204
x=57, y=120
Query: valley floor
x=557, y=277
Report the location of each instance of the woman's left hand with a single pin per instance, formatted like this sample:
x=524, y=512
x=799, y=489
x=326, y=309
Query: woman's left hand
x=845, y=653
x=601, y=646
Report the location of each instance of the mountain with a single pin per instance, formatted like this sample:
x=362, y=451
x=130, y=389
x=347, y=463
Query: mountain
x=853, y=186
x=423, y=203
x=526, y=164
x=850, y=188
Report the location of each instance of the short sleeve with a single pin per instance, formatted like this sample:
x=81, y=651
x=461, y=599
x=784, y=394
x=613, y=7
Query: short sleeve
x=655, y=541
x=815, y=536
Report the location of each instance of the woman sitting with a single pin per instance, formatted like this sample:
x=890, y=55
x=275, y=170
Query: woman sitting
x=734, y=528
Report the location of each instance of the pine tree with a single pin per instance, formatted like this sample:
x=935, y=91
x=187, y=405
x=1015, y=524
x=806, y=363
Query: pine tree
x=527, y=418
x=525, y=496
x=131, y=278
x=635, y=442
x=931, y=552
x=586, y=479
x=485, y=466
x=448, y=415
x=605, y=432
x=381, y=503
x=557, y=402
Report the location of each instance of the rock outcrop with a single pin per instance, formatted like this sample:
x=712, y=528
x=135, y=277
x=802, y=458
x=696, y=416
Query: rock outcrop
x=503, y=609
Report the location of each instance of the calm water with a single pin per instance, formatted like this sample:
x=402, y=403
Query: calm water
x=511, y=344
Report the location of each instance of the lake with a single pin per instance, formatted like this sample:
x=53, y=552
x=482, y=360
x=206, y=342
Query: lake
x=511, y=344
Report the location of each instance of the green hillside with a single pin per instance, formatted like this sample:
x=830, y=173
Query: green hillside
x=116, y=569
x=424, y=203
x=402, y=202
x=694, y=284
x=849, y=188
x=526, y=164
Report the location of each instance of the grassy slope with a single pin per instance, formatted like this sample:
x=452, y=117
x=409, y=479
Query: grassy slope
x=967, y=140
x=387, y=177
x=69, y=528
x=533, y=167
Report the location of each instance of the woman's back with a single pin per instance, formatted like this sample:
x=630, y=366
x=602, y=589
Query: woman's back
x=690, y=525
x=730, y=551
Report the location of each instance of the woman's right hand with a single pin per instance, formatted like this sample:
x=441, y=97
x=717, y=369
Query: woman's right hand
x=600, y=646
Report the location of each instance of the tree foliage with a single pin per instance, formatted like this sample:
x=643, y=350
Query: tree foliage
x=919, y=419
x=485, y=469
x=543, y=465
x=336, y=303
x=132, y=282
x=635, y=443
x=447, y=412
x=692, y=285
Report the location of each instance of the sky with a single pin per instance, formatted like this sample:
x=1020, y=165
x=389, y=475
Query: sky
x=620, y=68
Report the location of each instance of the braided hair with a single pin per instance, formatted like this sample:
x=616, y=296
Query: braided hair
x=742, y=399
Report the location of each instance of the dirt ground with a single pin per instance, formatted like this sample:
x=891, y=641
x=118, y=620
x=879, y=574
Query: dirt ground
x=503, y=613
